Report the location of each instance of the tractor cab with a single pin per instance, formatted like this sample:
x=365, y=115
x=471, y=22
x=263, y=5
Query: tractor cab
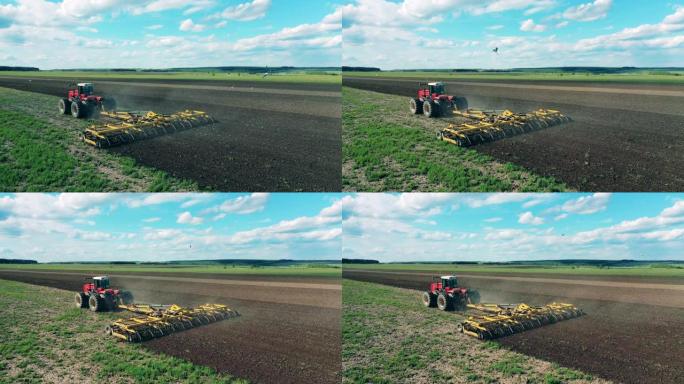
x=437, y=89
x=85, y=89
x=449, y=282
x=101, y=282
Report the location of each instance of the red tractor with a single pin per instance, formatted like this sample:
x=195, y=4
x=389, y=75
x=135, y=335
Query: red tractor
x=81, y=103
x=98, y=296
x=445, y=294
x=433, y=101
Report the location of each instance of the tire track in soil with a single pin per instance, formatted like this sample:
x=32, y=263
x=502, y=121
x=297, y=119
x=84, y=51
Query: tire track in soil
x=629, y=342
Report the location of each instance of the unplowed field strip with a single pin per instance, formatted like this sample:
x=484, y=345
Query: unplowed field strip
x=628, y=335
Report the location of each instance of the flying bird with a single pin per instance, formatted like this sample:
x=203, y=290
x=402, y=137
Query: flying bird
x=496, y=50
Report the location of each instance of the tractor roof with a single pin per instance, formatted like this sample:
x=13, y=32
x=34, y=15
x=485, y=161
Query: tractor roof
x=448, y=277
x=100, y=277
x=436, y=83
x=84, y=84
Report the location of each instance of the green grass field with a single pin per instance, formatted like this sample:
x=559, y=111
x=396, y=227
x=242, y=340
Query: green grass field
x=646, y=271
x=313, y=270
x=675, y=78
x=385, y=148
x=45, y=339
x=275, y=78
x=41, y=151
x=389, y=337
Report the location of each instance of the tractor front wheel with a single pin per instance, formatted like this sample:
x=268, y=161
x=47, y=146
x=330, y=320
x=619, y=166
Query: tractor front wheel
x=416, y=106
x=429, y=299
x=443, y=302
x=81, y=300
x=64, y=106
x=96, y=303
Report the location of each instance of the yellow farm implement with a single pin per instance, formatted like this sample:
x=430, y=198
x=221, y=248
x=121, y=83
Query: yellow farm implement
x=152, y=321
x=490, y=321
x=488, y=126
x=119, y=128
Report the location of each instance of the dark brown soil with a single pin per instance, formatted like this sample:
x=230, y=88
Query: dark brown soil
x=272, y=341
x=617, y=142
x=286, y=141
x=623, y=337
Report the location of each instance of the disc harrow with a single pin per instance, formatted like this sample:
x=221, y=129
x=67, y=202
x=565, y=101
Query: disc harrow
x=488, y=126
x=121, y=128
x=152, y=321
x=490, y=321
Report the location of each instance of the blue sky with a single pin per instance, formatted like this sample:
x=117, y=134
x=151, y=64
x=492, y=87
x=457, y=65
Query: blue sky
x=505, y=227
x=92, y=227
x=528, y=33
x=169, y=33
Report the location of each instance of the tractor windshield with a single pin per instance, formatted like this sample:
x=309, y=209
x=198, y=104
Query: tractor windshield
x=449, y=283
x=438, y=89
x=102, y=283
x=87, y=90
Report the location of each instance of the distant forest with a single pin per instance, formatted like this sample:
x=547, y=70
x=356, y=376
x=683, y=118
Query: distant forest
x=17, y=261
x=20, y=69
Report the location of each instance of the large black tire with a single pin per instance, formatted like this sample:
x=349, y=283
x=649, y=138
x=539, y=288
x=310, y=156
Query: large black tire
x=429, y=299
x=460, y=103
x=108, y=105
x=110, y=302
x=443, y=302
x=473, y=296
x=78, y=109
x=64, y=106
x=125, y=297
x=416, y=106
x=430, y=109
x=96, y=303
x=81, y=300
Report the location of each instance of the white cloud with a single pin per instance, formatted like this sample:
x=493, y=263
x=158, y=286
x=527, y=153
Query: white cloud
x=154, y=27
x=529, y=26
x=187, y=218
x=253, y=10
x=529, y=218
x=493, y=220
x=589, y=11
x=188, y=25
x=587, y=205
x=243, y=205
x=152, y=220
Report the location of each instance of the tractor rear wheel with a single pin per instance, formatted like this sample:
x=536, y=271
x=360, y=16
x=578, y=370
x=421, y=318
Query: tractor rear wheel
x=473, y=297
x=64, y=106
x=429, y=299
x=78, y=109
x=430, y=109
x=416, y=106
x=96, y=303
x=461, y=103
x=443, y=302
x=110, y=302
x=81, y=300
x=108, y=105
x=125, y=297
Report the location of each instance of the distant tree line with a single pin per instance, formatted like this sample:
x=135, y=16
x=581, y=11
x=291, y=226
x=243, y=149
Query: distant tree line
x=360, y=69
x=359, y=261
x=17, y=261
x=21, y=69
